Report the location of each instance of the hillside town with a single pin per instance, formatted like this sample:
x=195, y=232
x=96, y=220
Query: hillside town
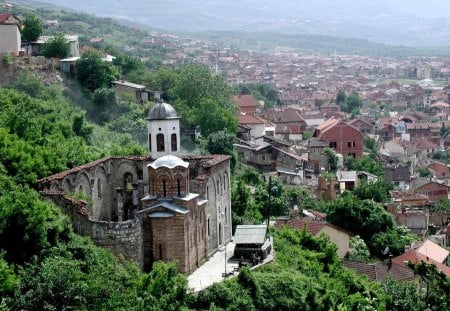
x=336, y=129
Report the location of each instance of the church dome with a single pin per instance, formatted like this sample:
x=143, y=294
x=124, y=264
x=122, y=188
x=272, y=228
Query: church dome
x=162, y=111
x=168, y=161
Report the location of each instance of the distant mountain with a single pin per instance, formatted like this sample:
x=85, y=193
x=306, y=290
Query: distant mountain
x=399, y=22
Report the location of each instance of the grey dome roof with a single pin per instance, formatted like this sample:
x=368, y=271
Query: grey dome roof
x=168, y=161
x=162, y=111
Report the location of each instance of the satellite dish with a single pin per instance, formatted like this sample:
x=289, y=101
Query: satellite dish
x=386, y=250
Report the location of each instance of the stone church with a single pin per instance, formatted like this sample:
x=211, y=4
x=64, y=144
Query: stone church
x=148, y=208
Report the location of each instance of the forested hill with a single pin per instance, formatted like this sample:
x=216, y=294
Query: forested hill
x=135, y=40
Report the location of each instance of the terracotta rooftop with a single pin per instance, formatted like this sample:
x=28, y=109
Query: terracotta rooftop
x=415, y=257
x=379, y=271
x=249, y=119
x=244, y=101
x=6, y=16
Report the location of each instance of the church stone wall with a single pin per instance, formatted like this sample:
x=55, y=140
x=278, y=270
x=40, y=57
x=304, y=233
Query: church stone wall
x=120, y=237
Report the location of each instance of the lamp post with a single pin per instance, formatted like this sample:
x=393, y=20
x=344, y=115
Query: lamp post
x=268, y=207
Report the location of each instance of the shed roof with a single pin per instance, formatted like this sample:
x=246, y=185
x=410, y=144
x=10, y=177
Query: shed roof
x=250, y=234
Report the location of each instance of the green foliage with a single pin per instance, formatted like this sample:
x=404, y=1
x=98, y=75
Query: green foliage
x=93, y=72
x=364, y=218
x=221, y=142
x=358, y=249
x=377, y=191
x=262, y=91
x=340, y=98
x=243, y=207
x=350, y=104
x=251, y=176
x=366, y=163
x=443, y=132
x=370, y=144
x=307, y=275
x=402, y=296
x=27, y=224
x=32, y=28
x=278, y=198
x=8, y=279
x=164, y=288
x=395, y=238
x=104, y=101
x=36, y=136
x=201, y=98
x=57, y=46
x=332, y=159
x=6, y=59
x=441, y=205
x=423, y=171
x=437, y=286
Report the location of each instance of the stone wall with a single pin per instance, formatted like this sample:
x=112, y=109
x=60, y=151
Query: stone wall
x=123, y=238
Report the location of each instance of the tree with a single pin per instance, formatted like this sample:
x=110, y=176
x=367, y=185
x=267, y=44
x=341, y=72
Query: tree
x=437, y=286
x=364, y=218
x=332, y=159
x=423, y=171
x=222, y=143
x=358, y=249
x=340, y=97
x=56, y=46
x=377, y=191
x=32, y=28
x=93, y=72
x=395, y=238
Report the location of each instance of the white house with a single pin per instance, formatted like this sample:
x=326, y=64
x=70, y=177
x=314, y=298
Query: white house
x=10, y=41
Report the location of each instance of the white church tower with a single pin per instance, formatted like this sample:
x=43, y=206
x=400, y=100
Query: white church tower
x=163, y=126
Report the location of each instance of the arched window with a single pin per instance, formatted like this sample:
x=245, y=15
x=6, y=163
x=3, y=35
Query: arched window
x=164, y=188
x=160, y=142
x=173, y=140
x=179, y=187
x=226, y=218
x=128, y=181
x=153, y=185
x=99, y=189
x=150, y=142
x=209, y=232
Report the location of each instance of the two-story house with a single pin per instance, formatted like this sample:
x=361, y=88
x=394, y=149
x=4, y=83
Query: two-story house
x=341, y=137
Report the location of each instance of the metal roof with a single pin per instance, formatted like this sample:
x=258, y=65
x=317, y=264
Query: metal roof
x=169, y=161
x=167, y=205
x=162, y=111
x=250, y=234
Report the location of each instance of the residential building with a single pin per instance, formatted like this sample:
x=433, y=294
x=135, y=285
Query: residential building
x=10, y=34
x=341, y=137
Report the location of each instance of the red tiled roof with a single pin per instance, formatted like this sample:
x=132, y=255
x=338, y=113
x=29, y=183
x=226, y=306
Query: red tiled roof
x=5, y=16
x=379, y=271
x=244, y=101
x=312, y=227
x=416, y=257
x=249, y=119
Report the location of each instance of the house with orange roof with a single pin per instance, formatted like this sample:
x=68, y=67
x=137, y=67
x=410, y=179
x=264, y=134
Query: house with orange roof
x=341, y=137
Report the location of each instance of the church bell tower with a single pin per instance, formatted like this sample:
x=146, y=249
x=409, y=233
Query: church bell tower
x=163, y=125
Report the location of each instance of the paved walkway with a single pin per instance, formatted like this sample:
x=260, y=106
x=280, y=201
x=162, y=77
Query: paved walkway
x=211, y=271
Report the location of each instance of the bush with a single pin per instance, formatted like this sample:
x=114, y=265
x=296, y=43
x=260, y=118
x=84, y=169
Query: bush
x=57, y=46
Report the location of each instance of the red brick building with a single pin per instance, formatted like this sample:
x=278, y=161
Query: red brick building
x=341, y=137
